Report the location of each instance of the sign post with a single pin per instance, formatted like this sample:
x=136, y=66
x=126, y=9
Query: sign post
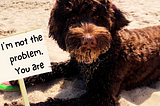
x=23, y=92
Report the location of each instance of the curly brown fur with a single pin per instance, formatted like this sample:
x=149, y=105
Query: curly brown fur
x=114, y=59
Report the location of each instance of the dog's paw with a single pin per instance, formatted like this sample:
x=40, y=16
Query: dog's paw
x=13, y=104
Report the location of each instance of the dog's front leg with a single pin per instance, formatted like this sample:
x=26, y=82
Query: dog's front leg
x=88, y=99
x=59, y=70
x=91, y=98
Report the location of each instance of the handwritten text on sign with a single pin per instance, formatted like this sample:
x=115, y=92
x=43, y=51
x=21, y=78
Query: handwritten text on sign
x=23, y=55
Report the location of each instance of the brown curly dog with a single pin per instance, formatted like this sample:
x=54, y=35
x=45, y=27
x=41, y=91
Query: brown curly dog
x=104, y=56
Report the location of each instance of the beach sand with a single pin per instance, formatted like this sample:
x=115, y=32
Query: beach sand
x=22, y=15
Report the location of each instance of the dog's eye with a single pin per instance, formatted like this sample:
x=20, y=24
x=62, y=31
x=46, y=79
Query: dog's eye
x=97, y=16
x=74, y=18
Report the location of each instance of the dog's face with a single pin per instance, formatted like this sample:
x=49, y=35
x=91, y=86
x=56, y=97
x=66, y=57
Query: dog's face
x=84, y=27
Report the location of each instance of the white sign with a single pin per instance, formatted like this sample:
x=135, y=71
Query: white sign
x=23, y=55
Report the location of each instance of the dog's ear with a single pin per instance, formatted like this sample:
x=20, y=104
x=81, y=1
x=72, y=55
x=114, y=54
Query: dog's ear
x=120, y=20
x=57, y=27
x=55, y=30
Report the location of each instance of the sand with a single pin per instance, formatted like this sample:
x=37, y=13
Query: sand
x=22, y=15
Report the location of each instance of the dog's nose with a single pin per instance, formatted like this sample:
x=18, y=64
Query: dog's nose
x=88, y=41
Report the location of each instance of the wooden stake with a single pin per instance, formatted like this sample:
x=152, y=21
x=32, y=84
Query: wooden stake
x=23, y=92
